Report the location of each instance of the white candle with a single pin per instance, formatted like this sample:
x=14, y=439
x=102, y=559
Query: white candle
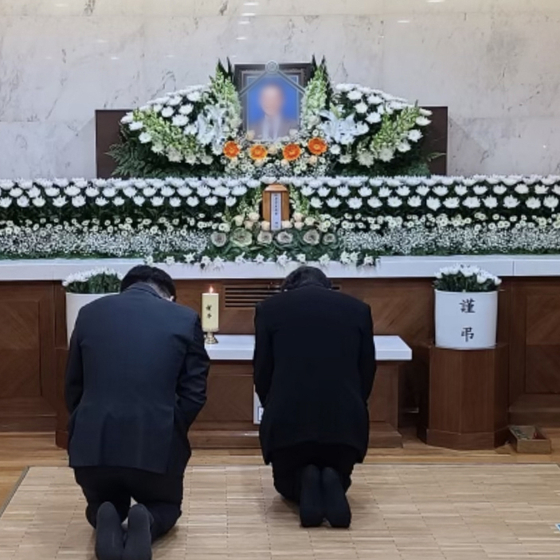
x=210, y=311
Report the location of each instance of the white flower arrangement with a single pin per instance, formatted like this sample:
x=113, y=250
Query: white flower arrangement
x=96, y=281
x=339, y=218
x=462, y=278
x=348, y=127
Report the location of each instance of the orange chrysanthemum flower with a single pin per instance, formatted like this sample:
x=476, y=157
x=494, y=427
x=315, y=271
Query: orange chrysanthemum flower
x=291, y=152
x=317, y=146
x=258, y=152
x=231, y=149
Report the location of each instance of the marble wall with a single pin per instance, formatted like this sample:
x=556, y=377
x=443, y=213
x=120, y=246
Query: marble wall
x=494, y=63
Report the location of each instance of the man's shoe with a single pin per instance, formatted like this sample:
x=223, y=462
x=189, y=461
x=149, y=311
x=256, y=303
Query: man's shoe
x=139, y=539
x=337, y=508
x=109, y=534
x=311, y=503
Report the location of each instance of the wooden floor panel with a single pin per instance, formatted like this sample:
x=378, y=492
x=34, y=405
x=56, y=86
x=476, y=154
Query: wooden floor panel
x=403, y=511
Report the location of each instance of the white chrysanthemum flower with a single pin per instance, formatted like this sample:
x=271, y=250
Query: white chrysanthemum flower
x=386, y=154
x=451, y=203
x=472, y=202
x=157, y=201
x=394, y=202
x=167, y=112
x=149, y=191
x=59, y=201
x=499, y=189
x=550, y=202
x=16, y=192
x=385, y=192
x=211, y=201
x=374, y=202
x=423, y=190
x=533, y=203
x=323, y=192
x=194, y=96
x=404, y=147
x=423, y=121
x=522, y=189
x=345, y=159
x=23, y=201
x=136, y=125
x=145, y=138
x=440, y=191
x=231, y=201
x=343, y=191
x=433, y=203
x=78, y=201
x=316, y=202
x=414, y=201
x=361, y=108
x=354, y=95
x=365, y=192
x=366, y=159
x=118, y=201
x=461, y=190
x=100, y=201
x=33, y=192
x=480, y=190
x=186, y=109
x=415, y=135
x=39, y=202
x=490, y=202
x=355, y=203
x=333, y=202
x=335, y=150
x=375, y=100
x=541, y=189
x=403, y=191
x=192, y=201
x=373, y=118
x=180, y=121
x=511, y=202
x=174, y=101
x=361, y=129
x=139, y=200
x=128, y=118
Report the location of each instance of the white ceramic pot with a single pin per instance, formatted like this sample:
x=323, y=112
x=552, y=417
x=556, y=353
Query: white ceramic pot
x=74, y=302
x=465, y=320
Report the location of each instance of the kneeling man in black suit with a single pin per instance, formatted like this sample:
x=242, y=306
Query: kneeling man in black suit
x=135, y=382
x=314, y=369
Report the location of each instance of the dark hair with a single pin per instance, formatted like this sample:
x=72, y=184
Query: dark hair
x=306, y=276
x=150, y=275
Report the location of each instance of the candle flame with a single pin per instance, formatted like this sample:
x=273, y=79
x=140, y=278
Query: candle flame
x=211, y=289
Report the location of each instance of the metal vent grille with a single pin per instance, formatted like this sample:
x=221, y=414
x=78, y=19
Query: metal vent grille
x=241, y=295
x=247, y=295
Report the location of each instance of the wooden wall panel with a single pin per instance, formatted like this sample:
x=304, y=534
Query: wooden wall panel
x=27, y=374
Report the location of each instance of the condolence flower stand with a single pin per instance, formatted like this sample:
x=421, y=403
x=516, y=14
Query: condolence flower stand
x=466, y=310
x=85, y=287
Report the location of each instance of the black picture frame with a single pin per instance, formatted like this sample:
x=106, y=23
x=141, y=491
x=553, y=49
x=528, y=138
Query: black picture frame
x=243, y=72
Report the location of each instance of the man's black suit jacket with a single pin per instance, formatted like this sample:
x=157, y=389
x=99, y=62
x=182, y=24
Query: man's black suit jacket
x=135, y=382
x=314, y=369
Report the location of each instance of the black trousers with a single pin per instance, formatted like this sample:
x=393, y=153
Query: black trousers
x=288, y=464
x=161, y=494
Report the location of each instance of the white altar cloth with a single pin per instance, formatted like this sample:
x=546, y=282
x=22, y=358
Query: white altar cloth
x=240, y=348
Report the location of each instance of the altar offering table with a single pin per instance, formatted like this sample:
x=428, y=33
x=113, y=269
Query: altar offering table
x=227, y=420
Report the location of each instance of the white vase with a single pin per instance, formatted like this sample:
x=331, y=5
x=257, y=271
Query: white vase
x=74, y=302
x=466, y=320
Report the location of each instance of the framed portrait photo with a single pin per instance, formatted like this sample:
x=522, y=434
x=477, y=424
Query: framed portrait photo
x=271, y=97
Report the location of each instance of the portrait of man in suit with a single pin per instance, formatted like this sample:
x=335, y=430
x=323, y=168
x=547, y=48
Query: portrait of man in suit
x=272, y=110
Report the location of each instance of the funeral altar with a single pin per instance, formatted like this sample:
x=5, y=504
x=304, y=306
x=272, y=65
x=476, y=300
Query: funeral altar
x=232, y=184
